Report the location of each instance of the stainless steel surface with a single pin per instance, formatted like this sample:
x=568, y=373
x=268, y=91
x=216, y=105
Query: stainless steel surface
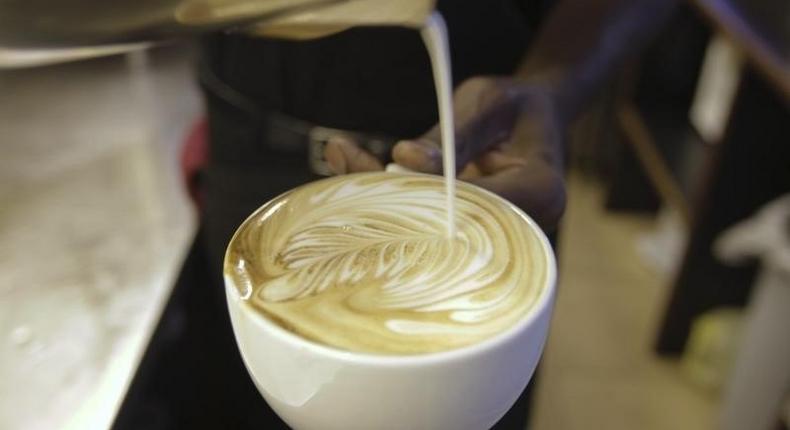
x=68, y=23
x=93, y=227
x=32, y=24
x=35, y=32
x=19, y=58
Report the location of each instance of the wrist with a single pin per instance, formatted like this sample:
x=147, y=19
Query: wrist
x=551, y=85
x=541, y=108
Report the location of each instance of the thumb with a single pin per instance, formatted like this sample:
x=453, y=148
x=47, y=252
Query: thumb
x=421, y=155
x=345, y=156
x=474, y=134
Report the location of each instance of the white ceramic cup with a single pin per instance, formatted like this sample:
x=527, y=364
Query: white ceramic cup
x=315, y=387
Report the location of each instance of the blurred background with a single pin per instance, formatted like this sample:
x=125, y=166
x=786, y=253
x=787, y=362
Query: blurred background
x=674, y=271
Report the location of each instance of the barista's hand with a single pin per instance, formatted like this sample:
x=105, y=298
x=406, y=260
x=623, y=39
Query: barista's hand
x=508, y=140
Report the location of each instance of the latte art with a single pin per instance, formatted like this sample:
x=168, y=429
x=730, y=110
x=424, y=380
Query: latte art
x=363, y=263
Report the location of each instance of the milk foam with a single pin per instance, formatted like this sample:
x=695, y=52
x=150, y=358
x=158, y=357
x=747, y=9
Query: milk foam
x=362, y=262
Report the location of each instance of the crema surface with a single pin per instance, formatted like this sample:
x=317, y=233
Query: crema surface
x=363, y=263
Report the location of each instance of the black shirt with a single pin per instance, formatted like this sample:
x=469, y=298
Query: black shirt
x=373, y=79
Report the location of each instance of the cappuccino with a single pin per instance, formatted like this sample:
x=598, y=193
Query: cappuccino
x=363, y=263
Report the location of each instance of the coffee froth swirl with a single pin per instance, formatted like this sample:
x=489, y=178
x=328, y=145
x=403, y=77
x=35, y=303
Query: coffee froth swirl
x=362, y=262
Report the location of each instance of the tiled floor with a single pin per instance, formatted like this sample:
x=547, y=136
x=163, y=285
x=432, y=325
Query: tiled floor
x=598, y=370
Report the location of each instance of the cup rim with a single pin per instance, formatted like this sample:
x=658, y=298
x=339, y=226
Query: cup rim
x=541, y=304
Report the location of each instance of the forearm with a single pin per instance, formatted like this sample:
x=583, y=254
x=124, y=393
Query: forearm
x=583, y=42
